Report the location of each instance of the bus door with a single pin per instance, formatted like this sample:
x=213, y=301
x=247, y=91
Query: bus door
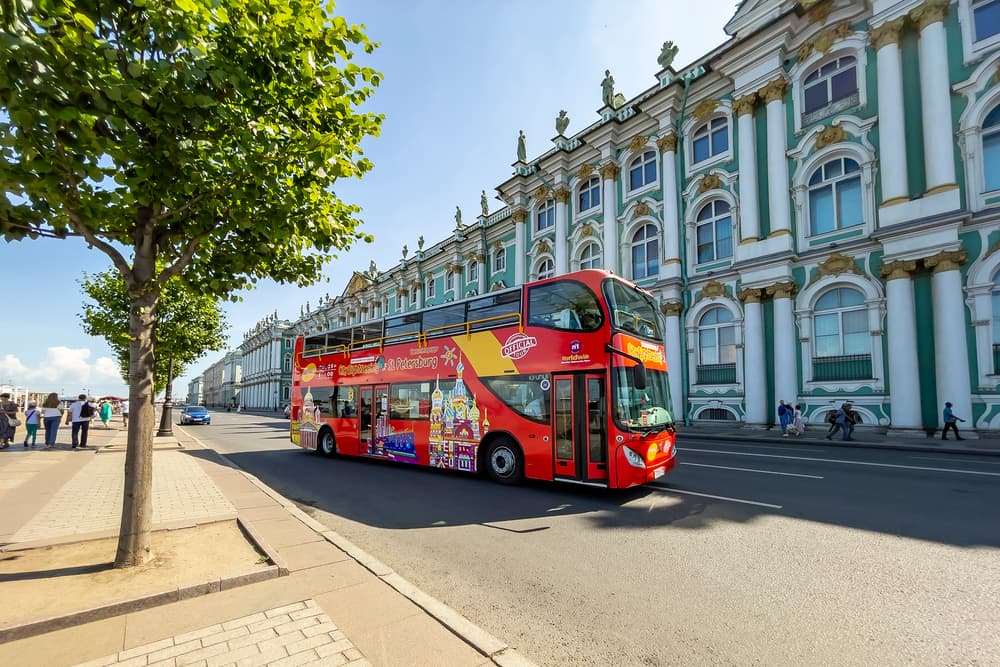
x=580, y=427
x=373, y=403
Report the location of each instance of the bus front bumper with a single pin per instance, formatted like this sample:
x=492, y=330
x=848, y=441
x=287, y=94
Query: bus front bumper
x=631, y=475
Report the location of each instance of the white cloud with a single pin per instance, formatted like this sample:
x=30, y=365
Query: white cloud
x=65, y=368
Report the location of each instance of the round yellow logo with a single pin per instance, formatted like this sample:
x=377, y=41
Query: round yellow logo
x=308, y=373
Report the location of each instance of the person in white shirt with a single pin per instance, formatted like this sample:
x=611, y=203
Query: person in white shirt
x=125, y=412
x=51, y=414
x=32, y=420
x=81, y=411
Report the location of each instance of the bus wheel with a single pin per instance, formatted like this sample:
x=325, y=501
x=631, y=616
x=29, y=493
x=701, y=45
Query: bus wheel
x=327, y=445
x=504, y=461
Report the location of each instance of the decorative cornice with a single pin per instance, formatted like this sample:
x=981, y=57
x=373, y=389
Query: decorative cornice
x=751, y=295
x=887, y=33
x=781, y=290
x=774, y=91
x=642, y=208
x=609, y=171
x=470, y=256
x=898, y=269
x=833, y=134
x=709, y=182
x=542, y=192
x=519, y=215
x=561, y=195
x=836, y=264
x=949, y=260
x=498, y=245
x=667, y=144
x=705, y=109
x=671, y=308
x=638, y=141
x=930, y=12
x=585, y=171
x=745, y=104
x=713, y=289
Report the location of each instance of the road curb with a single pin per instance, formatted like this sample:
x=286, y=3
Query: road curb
x=683, y=436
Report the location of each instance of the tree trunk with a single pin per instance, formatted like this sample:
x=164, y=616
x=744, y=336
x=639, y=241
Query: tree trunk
x=134, y=538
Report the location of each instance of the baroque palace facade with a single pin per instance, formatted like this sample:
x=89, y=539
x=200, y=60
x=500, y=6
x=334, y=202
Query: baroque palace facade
x=815, y=205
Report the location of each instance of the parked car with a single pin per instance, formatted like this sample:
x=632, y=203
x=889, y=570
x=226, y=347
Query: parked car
x=195, y=414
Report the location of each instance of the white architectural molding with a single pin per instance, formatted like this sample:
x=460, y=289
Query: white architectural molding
x=979, y=290
x=981, y=97
x=855, y=44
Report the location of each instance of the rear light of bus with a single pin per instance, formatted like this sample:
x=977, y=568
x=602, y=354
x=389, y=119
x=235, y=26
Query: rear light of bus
x=633, y=459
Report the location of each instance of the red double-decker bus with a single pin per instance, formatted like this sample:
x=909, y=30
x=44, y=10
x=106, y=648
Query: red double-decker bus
x=561, y=379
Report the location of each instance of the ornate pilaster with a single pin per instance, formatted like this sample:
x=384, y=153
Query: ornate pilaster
x=750, y=295
x=519, y=215
x=609, y=174
x=667, y=144
x=675, y=355
x=671, y=308
x=935, y=96
x=754, y=371
x=745, y=105
x=609, y=171
x=746, y=137
x=929, y=13
x=786, y=373
x=781, y=290
x=777, y=164
x=951, y=353
x=901, y=330
x=892, y=141
x=561, y=196
x=948, y=260
x=899, y=269
x=520, y=244
x=887, y=33
x=773, y=91
x=671, y=209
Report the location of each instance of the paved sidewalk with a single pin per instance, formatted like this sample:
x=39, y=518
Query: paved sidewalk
x=335, y=604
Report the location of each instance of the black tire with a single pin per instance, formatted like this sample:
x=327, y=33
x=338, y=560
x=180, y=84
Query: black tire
x=326, y=445
x=504, y=461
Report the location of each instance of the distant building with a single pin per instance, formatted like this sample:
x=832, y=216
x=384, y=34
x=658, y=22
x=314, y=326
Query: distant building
x=194, y=393
x=267, y=364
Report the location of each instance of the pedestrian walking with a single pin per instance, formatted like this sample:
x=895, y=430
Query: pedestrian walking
x=8, y=420
x=125, y=412
x=51, y=414
x=784, y=417
x=106, y=412
x=80, y=412
x=950, y=421
x=844, y=423
x=32, y=420
x=798, y=426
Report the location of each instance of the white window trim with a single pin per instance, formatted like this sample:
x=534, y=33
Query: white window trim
x=535, y=231
x=979, y=288
x=642, y=189
x=857, y=148
x=429, y=287
x=805, y=304
x=627, y=233
x=577, y=260
x=691, y=227
x=536, y=265
x=593, y=210
x=501, y=255
x=981, y=97
x=971, y=49
x=852, y=45
x=473, y=265
x=724, y=110
x=692, y=318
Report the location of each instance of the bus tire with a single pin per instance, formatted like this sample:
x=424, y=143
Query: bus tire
x=504, y=461
x=326, y=445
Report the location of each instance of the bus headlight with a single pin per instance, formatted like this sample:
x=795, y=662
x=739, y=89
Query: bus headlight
x=653, y=450
x=633, y=459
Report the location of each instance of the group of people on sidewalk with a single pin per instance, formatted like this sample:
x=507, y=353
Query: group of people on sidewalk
x=79, y=415
x=844, y=418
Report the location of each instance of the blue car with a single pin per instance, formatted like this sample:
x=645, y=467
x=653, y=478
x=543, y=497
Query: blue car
x=195, y=414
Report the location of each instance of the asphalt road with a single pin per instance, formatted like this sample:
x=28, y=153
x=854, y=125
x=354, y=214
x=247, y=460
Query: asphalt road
x=745, y=555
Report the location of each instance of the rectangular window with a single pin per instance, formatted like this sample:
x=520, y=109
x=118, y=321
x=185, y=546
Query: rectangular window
x=449, y=281
x=494, y=306
x=856, y=336
x=991, y=161
x=500, y=260
x=827, y=335
x=429, y=289
x=444, y=320
x=843, y=85
x=821, y=216
x=700, y=149
x=849, y=203
x=727, y=345
x=411, y=400
x=723, y=239
x=474, y=271
x=343, y=398
x=651, y=170
x=407, y=324
x=986, y=16
x=709, y=349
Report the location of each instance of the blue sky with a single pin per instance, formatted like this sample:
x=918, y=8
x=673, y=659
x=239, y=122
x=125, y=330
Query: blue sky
x=461, y=78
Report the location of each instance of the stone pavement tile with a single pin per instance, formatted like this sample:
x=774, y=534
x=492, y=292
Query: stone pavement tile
x=280, y=533
x=312, y=554
x=366, y=607
x=22, y=504
x=251, y=499
x=326, y=578
x=66, y=647
x=262, y=513
x=415, y=641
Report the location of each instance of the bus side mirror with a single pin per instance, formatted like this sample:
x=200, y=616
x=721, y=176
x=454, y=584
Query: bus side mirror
x=639, y=376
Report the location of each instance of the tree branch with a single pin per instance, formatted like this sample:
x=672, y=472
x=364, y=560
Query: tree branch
x=116, y=257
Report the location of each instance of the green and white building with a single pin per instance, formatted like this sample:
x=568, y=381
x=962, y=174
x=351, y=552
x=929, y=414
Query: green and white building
x=815, y=204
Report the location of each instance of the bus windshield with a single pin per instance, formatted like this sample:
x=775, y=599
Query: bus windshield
x=642, y=409
x=632, y=310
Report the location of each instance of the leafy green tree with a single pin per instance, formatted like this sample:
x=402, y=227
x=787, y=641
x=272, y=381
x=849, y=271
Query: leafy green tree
x=188, y=323
x=197, y=139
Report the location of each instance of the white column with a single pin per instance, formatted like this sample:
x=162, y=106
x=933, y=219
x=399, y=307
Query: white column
x=609, y=172
x=951, y=352
x=777, y=163
x=520, y=250
x=671, y=266
x=754, y=372
x=904, y=376
x=935, y=98
x=786, y=374
x=562, y=227
x=749, y=206
x=419, y=294
x=675, y=357
x=892, y=139
x=482, y=273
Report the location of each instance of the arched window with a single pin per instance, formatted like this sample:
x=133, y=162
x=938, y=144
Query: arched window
x=642, y=170
x=830, y=83
x=590, y=194
x=710, y=139
x=842, y=341
x=714, y=232
x=716, y=347
x=645, y=252
x=996, y=323
x=499, y=260
x=546, y=269
x=590, y=256
x=835, y=196
x=449, y=280
x=546, y=215
x=473, y=270
x=429, y=287
x=991, y=150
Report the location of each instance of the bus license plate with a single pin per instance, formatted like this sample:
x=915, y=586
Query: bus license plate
x=658, y=473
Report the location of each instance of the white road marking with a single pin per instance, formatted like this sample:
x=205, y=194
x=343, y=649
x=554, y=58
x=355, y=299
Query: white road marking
x=766, y=472
x=937, y=458
x=852, y=463
x=669, y=489
x=777, y=447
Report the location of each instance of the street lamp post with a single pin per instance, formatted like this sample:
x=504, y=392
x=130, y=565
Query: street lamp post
x=166, y=418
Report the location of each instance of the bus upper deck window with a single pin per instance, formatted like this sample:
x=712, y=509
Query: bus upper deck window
x=566, y=305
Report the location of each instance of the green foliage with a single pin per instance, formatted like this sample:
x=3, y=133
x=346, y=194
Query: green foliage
x=206, y=134
x=188, y=323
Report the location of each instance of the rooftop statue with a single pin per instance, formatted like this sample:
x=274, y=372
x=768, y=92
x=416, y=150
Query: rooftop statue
x=484, y=204
x=608, y=89
x=458, y=217
x=522, y=150
x=667, y=54
x=562, y=122
x=420, y=242
x=405, y=251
